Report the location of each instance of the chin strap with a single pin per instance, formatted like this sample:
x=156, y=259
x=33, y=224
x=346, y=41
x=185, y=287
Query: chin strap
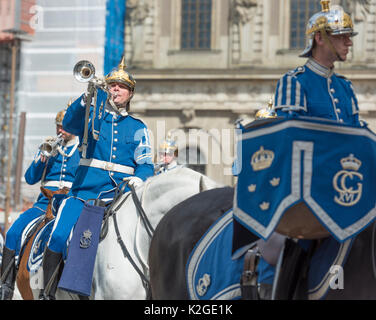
x=326, y=39
x=113, y=105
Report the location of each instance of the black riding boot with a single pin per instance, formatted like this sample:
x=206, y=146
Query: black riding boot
x=52, y=267
x=8, y=274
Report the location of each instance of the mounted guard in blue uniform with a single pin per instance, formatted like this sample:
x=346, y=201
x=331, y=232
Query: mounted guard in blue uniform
x=115, y=148
x=54, y=166
x=167, y=156
x=313, y=93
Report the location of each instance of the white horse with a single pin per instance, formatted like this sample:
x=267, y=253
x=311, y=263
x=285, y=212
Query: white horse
x=114, y=276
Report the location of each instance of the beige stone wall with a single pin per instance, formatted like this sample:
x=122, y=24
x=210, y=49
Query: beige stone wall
x=250, y=51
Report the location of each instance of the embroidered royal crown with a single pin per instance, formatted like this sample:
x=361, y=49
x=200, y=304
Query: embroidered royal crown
x=262, y=159
x=264, y=206
x=87, y=233
x=351, y=163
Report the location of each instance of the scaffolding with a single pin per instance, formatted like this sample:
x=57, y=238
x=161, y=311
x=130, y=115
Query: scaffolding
x=5, y=86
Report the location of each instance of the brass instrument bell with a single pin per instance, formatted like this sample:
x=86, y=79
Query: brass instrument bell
x=84, y=71
x=49, y=147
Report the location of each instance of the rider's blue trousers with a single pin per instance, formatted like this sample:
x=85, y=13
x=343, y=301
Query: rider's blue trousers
x=13, y=236
x=67, y=216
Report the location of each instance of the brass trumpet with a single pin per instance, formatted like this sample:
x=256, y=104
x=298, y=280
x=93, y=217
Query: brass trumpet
x=49, y=148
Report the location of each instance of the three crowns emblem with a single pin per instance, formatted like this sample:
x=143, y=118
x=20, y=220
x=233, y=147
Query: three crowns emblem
x=260, y=160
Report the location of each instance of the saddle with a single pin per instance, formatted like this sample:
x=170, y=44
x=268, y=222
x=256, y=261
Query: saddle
x=299, y=222
x=304, y=269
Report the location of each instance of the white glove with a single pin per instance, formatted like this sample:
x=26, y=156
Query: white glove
x=134, y=181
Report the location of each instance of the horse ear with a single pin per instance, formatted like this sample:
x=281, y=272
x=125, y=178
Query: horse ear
x=203, y=186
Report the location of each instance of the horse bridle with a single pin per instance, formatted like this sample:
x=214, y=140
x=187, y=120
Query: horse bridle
x=110, y=211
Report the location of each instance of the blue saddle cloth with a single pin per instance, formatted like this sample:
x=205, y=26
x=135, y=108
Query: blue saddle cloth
x=324, y=266
x=211, y=272
x=38, y=246
x=328, y=166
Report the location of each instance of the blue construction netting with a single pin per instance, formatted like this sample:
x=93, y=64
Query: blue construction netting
x=114, y=38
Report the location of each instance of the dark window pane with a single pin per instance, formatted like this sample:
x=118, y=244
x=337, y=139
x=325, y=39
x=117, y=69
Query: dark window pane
x=301, y=11
x=196, y=24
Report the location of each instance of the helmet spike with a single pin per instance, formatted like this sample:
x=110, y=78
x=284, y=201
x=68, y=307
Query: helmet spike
x=270, y=103
x=122, y=64
x=121, y=75
x=325, y=5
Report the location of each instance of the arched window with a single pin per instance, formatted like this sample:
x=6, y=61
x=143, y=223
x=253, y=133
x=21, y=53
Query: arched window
x=301, y=11
x=193, y=158
x=196, y=24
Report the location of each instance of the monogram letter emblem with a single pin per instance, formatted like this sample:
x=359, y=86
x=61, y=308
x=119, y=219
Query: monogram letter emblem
x=347, y=195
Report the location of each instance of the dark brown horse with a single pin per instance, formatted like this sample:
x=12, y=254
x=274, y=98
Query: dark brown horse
x=182, y=227
x=23, y=277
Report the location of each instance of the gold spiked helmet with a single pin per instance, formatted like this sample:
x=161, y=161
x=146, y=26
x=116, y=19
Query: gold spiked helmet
x=168, y=145
x=268, y=112
x=121, y=75
x=331, y=19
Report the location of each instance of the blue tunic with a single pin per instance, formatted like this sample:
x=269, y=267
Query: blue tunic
x=114, y=139
x=56, y=173
x=121, y=140
x=313, y=90
x=316, y=91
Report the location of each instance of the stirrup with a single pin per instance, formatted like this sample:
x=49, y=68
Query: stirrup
x=6, y=292
x=8, y=274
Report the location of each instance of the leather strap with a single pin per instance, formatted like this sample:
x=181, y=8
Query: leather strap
x=249, y=276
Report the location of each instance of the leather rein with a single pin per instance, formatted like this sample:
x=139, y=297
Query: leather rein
x=111, y=211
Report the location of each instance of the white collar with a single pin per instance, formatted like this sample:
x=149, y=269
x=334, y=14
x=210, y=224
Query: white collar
x=71, y=142
x=172, y=164
x=319, y=69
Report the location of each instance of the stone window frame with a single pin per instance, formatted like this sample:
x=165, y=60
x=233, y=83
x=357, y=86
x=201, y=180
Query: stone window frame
x=176, y=16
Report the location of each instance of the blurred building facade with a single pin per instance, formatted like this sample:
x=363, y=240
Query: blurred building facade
x=199, y=64
x=66, y=31
x=202, y=64
x=15, y=27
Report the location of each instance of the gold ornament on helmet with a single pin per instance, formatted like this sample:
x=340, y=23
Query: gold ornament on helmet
x=168, y=145
x=60, y=115
x=268, y=112
x=331, y=19
x=121, y=76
